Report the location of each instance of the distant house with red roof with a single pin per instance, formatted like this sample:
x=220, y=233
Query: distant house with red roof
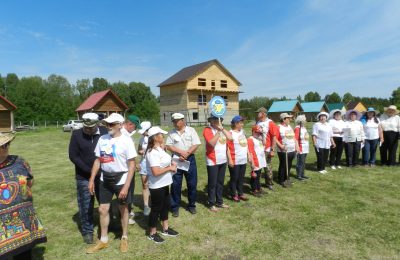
x=103, y=102
x=6, y=115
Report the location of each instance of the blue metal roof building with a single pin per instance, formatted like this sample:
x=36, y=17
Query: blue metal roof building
x=311, y=109
x=289, y=106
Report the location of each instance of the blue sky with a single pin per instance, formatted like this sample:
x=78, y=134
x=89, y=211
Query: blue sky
x=274, y=48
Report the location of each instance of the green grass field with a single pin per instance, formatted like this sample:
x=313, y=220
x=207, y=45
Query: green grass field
x=345, y=214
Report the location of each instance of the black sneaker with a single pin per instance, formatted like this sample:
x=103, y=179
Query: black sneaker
x=88, y=238
x=156, y=238
x=169, y=232
x=175, y=213
x=192, y=210
x=305, y=177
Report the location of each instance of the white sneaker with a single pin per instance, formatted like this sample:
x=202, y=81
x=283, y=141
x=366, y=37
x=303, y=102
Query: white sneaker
x=339, y=167
x=333, y=167
x=132, y=214
x=325, y=171
x=322, y=172
x=131, y=221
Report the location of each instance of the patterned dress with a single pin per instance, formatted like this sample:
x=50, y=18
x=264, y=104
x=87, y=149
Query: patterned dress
x=20, y=228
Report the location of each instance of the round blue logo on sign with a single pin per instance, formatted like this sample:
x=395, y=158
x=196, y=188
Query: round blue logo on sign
x=217, y=106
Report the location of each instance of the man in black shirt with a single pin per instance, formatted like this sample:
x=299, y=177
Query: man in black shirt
x=81, y=153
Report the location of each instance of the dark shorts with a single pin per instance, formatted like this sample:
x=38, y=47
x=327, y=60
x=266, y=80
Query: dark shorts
x=108, y=188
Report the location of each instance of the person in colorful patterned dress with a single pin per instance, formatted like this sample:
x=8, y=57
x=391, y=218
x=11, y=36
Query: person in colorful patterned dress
x=20, y=228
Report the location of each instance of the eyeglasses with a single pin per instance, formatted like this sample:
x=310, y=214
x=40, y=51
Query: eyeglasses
x=112, y=124
x=4, y=146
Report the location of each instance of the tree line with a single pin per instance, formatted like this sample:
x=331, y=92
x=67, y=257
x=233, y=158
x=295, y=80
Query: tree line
x=248, y=106
x=55, y=98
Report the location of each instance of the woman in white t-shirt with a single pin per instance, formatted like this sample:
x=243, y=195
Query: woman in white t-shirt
x=390, y=122
x=144, y=139
x=159, y=172
x=323, y=140
x=353, y=137
x=237, y=159
x=337, y=124
x=302, y=137
x=215, y=137
x=287, y=148
x=373, y=134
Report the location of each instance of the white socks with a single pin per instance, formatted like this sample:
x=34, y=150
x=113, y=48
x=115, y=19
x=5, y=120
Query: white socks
x=104, y=239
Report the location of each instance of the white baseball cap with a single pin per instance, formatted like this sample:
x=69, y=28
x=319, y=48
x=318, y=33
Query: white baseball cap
x=156, y=130
x=114, y=118
x=145, y=125
x=177, y=116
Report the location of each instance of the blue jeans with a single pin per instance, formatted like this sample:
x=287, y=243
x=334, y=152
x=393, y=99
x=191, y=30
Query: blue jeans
x=191, y=181
x=301, y=164
x=85, y=204
x=369, y=151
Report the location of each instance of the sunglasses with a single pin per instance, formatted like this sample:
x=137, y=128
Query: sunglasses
x=4, y=146
x=112, y=124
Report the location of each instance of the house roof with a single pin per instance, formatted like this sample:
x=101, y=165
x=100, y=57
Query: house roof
x=95, y=98
x=13, y=107
x=352, y=104
x=190, y=72
x=283, y=106
x=317, y=106
x=333, y=106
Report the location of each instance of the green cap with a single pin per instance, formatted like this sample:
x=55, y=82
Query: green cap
x=135, y=119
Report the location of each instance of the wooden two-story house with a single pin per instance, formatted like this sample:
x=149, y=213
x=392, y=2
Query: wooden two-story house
x=190, y=90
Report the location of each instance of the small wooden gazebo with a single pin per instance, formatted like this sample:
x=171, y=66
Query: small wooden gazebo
x=6, y=115
x=104, y=102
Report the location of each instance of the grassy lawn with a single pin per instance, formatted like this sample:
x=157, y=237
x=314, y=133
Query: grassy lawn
x=348, y=213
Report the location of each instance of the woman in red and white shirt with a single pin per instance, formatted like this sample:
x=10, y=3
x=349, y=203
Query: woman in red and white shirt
x=287, y=147
x=237, y=158
x=216, y=137
x=256, y=158
x=301, y=135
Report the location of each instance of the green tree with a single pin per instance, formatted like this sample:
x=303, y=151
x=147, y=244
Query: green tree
x=333, y=98
x=347, y=97
x=312, y=96
x=2, y=85
x=396, y=96
x=100, y=84
x=10, y=84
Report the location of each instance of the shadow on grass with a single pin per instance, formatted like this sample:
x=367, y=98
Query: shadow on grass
x=38, y=252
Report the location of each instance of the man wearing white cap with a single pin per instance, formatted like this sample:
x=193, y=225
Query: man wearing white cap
x=115, y=154
x=183, y=142
x=81, y=146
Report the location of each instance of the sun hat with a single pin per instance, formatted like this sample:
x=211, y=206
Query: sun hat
x=256, y=129
x=284, y=115
x=351, y=111
x=262, y=110
x=144, y=126
x=6, y=138
x=90, y=119
x=300, y=119
x=334, y=111
x=135, y=120
x=156, y=130
x=114, y=118
x=391, y=107
x=322, y=114
x=237, y=119
x=177, y=116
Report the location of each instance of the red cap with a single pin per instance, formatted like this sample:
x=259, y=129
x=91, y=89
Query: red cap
x=256, y=129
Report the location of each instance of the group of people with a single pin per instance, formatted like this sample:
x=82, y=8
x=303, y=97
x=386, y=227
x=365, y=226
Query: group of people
x=104, y=156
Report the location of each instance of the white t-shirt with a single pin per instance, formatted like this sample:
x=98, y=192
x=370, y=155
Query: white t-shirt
x=323, y=132
x=157, y=157
x=371, y=129
x=215, y=155
x=114, y=154
x=238, y=147
x=286, y=137
x=257, y=152
x=337, y=127
x=353, y=132
x=143, y=142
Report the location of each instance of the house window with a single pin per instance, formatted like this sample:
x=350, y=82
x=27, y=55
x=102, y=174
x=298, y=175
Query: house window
x=224, y=83
x=213, y=83
x=195, y=116
x=201, y=99
x=202, y=82
x=226, y=99
x=164, y=116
